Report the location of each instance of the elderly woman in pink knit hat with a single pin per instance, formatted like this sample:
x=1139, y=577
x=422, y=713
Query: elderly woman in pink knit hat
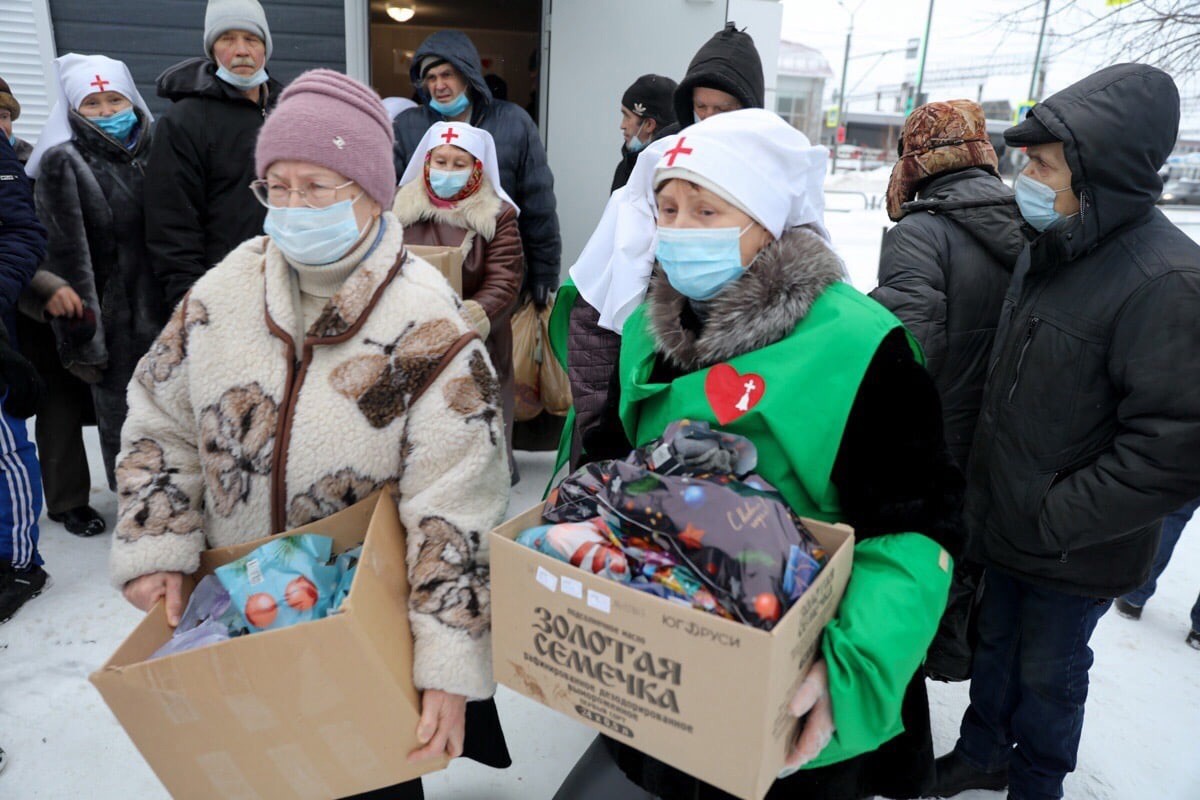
x=310, y=368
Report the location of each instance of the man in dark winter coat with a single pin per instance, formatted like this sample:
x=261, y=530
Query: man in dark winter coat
x=22, y=245
x=943, y=271
x=647, y=111
x=449, y=78
x=1090, y=424
x=198, y=200
x=725, y=74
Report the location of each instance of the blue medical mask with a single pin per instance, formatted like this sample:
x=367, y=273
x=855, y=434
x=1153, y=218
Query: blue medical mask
x=13, y=140
x=242, y=82
x=447, y=183
x=700, y=262
x=313, y=236
x=452, y=109
x=1036, y=201
x=636, y=145
x=118, y=126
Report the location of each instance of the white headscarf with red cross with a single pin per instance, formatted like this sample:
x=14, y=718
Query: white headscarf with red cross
x=475, y=141
x=78, y=77
x=751, y=157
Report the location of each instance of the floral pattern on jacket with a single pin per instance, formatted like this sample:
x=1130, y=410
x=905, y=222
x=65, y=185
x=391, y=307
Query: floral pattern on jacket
x=236, y=432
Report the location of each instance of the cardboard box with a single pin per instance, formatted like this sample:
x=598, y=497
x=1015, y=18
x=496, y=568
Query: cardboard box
x=318, y=710
x=448, y=260
x=701, y=693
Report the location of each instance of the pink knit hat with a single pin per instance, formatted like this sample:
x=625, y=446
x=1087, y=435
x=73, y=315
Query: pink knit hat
x=333, y=121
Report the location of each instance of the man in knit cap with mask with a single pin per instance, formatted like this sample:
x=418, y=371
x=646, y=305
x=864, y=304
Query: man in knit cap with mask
x=647, y=113
x=198, y=204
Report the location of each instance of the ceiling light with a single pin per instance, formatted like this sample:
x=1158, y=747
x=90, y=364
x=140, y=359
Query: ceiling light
x=401, y=13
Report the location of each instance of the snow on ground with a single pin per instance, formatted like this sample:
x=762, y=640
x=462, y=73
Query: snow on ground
x=1138, y=739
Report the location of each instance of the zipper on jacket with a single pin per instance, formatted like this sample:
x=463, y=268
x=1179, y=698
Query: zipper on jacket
x=1034, y=322
x=297, y=371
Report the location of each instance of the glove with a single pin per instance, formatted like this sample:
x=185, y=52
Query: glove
x=543, y=292
x=22, y=386
x=477, y=317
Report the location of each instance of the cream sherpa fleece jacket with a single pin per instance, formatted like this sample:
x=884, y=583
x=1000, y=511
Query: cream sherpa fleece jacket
x=233, y=435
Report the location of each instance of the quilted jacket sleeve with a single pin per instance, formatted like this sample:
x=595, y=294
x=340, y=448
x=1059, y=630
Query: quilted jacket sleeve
x=912, y=286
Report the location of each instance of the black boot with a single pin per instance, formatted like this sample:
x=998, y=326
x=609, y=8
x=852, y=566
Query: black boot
x=81, y=521
x=955, y=775
x=1128, y=610
x=17, y=587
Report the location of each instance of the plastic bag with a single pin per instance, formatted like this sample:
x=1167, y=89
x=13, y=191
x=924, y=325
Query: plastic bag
x=285, y=581
x=727, y=532
x=581, y=544
x=553, y=385
x=527, y=357
x=541, y=382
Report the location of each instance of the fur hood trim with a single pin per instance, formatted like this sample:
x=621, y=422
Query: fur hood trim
x=476, y=213
x=760, y=308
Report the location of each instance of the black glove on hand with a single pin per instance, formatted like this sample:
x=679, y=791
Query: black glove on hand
x=543, y=292
x=20, y=380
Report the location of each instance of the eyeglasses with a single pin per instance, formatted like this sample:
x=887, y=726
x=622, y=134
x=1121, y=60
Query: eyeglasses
x=277, y=195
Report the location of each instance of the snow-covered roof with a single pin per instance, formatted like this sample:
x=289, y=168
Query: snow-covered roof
x=802, y=61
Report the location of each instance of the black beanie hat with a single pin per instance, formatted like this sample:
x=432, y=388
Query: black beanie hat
x=652, y=96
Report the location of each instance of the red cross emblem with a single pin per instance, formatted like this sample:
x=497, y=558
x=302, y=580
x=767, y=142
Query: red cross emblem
x=677, y=150
x=449, y=135
x=99, y=83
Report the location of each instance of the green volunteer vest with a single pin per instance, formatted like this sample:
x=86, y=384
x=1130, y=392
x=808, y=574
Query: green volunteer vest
x=791, y=398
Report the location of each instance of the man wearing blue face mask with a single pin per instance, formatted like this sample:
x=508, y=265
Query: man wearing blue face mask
x=647, y=113
x=198, y=207
x=447, y=74
x=1090, y=421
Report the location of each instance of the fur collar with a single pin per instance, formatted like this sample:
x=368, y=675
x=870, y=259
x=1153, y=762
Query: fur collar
x=760, y=308
x=476, y=213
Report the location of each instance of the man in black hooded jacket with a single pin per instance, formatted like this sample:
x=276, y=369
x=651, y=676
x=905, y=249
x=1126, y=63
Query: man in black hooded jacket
x=524, y=171
x=198, y=200
x=1090, y=423
x=725, y=74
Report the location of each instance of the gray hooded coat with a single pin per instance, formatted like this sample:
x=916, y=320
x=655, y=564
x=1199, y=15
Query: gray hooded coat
x=524, y=171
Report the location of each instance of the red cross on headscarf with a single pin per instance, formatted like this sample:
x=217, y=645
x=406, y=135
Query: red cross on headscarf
x=676, y=151
x=449, y=135
x=99, y=83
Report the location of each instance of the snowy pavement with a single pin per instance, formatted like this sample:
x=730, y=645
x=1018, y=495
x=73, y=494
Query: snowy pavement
x=62, y=742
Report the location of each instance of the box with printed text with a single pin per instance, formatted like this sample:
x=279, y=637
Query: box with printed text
x=701, y=693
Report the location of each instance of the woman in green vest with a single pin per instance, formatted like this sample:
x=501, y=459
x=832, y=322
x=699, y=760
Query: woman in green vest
x=747, y=323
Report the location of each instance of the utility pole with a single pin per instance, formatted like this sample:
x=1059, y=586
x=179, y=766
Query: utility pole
x=841, y=114
x=841, y=107
x=1037, y=58
x=916, y=98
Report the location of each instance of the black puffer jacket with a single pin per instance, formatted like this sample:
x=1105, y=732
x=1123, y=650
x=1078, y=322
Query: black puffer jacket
x=943, y=271
x=1091, y=418
x=90, y=196
x=728, y=62
x=524, y=171
x=198, y=201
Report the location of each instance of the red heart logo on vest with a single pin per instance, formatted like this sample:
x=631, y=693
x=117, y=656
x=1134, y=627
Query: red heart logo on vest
x=731, y=395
